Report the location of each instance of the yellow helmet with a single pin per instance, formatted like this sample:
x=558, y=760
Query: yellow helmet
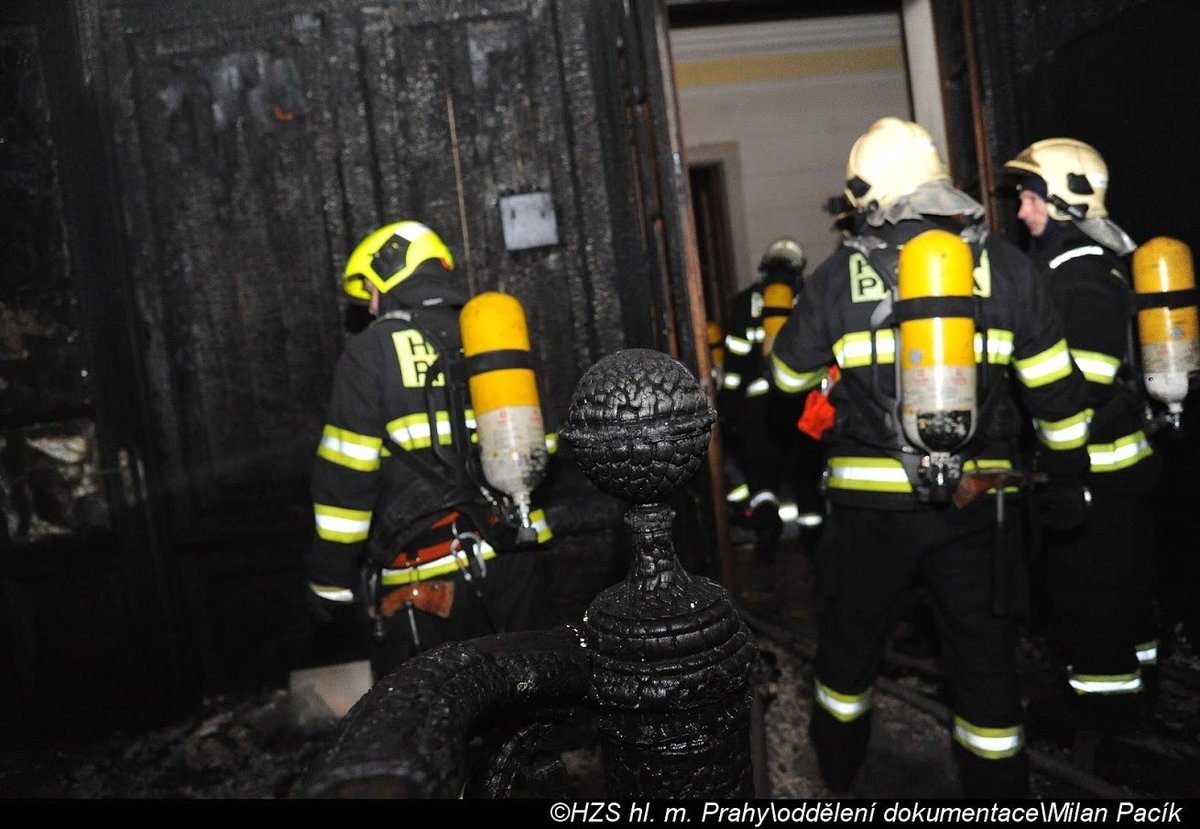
x=390, y=255
x=890, y=160
x=784, y=251
x=1074, y=174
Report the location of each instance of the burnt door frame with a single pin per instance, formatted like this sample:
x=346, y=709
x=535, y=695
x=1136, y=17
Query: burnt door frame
x=89, y=612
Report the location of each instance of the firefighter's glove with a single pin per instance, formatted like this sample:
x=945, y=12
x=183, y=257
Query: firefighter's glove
x=325, y=612
x=1062, y=505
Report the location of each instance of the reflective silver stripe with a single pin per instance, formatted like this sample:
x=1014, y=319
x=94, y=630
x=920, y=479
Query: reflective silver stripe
x=1090, y=250
x=989, y=743
x=738, y=346
x=792, y=381
x=875, y=474
x=732, y=381
x=350, y=449
x=854, y=349
x=758, y=387
x=1105, y=684
x=450, y=563
x=1147, y=653
x=333, y=594
x=340, y=524
x=999, y=343
x=738, y=494
x=1067, y=433
x=843, y=707
x=810, y=519
x=1050, y=365
x=345, y=526
x=1120, y=454
x=788, y=511
x=1096, y=366
x=338, y=441
x=757, y=334
x=766, y=496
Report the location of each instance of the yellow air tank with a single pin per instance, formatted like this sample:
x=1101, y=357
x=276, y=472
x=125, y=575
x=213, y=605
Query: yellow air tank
x=504, y=396
x=777, y=304
x=1167, y=323
x=937, y=345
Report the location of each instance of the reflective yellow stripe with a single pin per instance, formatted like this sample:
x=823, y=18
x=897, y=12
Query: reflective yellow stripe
x=1000, y=346
x=738, y=494
x=332, y=593
x=758, y=388
x=1041, y=369
x=732, y=380
x=1147, y=652
x=350, y=449
x=1105, y=683
x=345, y=526
x=1120, y=454
x=552, y=442
x=843, y=707
x=737, y=345
x=973, y=464
x=868, y=474
x=1096, y=366
x=537, y=518
x=412, y=431
x=452, y=562
x=854, y=349
x=447, y=564
x=793, y=381
x=1068, y=433
x=989, y=743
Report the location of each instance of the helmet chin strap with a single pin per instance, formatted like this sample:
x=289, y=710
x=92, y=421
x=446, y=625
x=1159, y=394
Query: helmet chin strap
x=1073, y=210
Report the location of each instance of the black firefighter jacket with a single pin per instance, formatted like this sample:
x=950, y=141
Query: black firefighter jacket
x=1090, y=287
x=1020, y=352
x=377, y=456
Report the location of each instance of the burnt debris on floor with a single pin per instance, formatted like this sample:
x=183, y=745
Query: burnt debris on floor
x=251, y=746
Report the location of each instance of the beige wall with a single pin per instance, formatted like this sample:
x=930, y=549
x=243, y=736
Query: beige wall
x=781, y=103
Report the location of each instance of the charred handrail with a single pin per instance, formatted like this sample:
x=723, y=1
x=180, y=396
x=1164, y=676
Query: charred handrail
x=663, y=657
x=407, y=736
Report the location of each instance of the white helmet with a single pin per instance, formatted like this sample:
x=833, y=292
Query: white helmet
x=890, y=160
x=783, y=251
x=1074, y=179
x=1074, y=174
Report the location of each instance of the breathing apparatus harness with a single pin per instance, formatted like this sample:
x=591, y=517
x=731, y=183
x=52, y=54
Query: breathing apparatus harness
x=452, y=480
x=934, y=476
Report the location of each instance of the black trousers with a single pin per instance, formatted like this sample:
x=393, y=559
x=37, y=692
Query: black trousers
x=1101, y=594
x=511, y=597
x=772, y=453
x=869, y=558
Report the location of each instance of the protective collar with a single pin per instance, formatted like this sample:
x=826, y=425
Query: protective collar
x=1106, y=232
x=933, y=198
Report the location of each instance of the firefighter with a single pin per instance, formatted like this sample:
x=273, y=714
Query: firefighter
x=895, y=518
x=774, y=460
x=1099, y=578
x=404, y=529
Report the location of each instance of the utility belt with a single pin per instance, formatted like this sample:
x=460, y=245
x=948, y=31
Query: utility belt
x=418, y=577
x=445, y=548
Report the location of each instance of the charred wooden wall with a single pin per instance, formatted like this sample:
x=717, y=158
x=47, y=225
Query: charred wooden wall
x=183, y=184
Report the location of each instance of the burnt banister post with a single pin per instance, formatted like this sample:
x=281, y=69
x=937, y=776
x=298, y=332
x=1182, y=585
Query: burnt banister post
x=671, y=658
